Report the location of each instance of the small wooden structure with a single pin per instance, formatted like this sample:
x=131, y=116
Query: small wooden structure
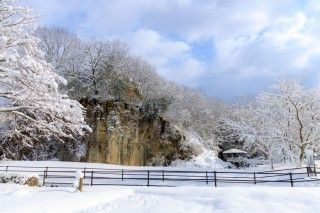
x=235, y=156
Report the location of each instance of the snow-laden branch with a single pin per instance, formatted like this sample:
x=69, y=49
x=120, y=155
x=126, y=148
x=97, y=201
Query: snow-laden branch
x=31, y=107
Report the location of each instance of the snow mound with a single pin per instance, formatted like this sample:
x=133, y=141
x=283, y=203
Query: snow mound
x=193, y=140
x=19, y=178
x=207, y=159
x=204, y=156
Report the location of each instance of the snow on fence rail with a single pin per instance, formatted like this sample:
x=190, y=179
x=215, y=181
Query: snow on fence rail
x=64, y=176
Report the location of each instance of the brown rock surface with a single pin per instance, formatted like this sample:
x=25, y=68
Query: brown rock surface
x=123, y=135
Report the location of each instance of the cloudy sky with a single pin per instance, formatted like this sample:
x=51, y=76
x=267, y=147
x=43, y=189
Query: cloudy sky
x=225, y=48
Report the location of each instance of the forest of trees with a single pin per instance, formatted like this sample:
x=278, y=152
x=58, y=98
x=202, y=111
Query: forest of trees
x=44, y=72
x=104, y=69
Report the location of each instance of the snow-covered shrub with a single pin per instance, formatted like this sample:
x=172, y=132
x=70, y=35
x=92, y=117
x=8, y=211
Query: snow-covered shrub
x=20, y=178
x=151, y=108
x=158, y=160
x=69, y=150
x=72, y=151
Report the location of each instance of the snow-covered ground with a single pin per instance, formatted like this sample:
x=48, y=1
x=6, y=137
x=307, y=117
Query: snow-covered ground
x=194, y=197
x=202, y=163
x=17, y=198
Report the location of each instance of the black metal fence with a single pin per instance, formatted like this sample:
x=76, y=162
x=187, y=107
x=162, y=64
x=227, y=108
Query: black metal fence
x=64, y=176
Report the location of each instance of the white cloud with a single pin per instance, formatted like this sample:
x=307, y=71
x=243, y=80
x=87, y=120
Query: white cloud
x=156, y=48
x=172, y=57
x=188, y=73
x=286, y=46
x=251, y=38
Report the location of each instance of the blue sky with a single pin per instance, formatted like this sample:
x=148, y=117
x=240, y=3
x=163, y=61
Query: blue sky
x=225, y=48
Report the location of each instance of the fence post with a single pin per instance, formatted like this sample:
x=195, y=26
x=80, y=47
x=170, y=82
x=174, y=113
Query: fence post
x=215, y=178
x=80, y=185
x=162, y=175
x=84, y=173
x=122, y=171
x=7, y=168
x=207, y=177
x=44, y=178
x=254, y=178
x=148, y=183
x=291, y=181
x=46, y=172
x=91, y=181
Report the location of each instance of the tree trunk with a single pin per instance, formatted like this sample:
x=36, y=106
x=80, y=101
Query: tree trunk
x=271, y=163
x=302, y=148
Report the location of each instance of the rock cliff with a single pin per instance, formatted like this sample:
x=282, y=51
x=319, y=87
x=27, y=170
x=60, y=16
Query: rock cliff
x=124, y=134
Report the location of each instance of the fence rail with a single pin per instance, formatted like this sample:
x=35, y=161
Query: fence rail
x=64, y=176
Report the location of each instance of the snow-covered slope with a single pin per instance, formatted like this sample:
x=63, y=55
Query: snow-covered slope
x=206, y=157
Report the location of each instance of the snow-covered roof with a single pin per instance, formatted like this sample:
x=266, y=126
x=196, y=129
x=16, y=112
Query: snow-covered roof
x=232, y=151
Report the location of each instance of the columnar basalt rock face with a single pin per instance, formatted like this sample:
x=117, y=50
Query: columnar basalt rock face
x=123, y=135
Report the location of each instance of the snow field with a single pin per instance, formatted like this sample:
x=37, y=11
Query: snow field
x=112, y=199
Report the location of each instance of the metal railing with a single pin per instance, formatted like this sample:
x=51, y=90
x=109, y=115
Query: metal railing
x=64, y=176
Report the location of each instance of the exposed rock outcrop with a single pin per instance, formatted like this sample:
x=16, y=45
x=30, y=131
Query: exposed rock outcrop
x=124, y=134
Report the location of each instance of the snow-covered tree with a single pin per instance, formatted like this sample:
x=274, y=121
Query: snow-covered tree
x=282, y=123
x=61, y=48
x=297, y=112
x=92, y=68
x=31, y=108
x=256, y=129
